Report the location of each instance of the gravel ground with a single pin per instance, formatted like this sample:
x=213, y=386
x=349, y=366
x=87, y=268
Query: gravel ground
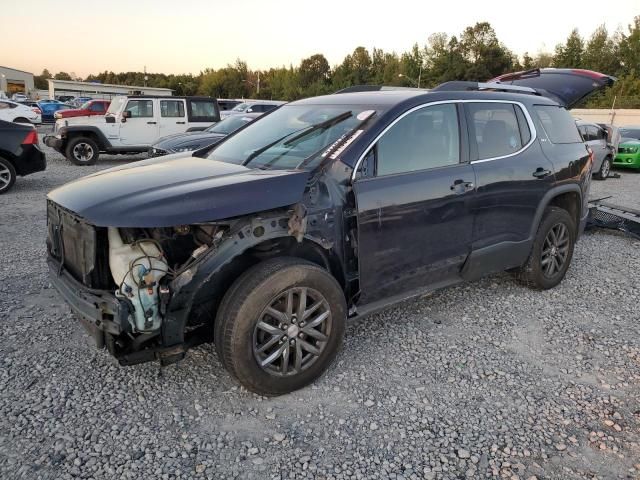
x=487, y=379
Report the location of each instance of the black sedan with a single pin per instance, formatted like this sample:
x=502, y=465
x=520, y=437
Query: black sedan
x=19, y=153
x=189, y=141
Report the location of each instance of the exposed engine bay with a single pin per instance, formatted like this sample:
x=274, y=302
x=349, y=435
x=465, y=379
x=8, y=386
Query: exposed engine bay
x=144, y=261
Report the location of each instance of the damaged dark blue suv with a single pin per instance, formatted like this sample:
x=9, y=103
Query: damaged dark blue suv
x=327, y=208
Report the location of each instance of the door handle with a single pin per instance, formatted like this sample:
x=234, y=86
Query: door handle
x=460, y=186
x=541, y=173
x=180, y=123
x=151, y=123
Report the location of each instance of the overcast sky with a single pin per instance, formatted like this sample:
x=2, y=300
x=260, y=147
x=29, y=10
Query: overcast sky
x=187, y=36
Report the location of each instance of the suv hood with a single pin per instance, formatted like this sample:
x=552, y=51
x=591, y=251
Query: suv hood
x=566, y=86
x=178, y=190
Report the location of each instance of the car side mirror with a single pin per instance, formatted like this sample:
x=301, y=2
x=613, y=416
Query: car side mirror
x=249, y=110
x=126, y=114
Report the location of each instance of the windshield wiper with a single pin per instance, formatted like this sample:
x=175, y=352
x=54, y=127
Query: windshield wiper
x=301, y=133
x=319, y=126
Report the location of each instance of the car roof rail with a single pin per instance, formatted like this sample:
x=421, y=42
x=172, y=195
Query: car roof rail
x=377, y=88
x=483, y=86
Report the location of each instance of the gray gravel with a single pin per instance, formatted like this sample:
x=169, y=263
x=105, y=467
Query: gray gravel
x=487, y=379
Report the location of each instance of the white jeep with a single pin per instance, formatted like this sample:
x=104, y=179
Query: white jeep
x=131, y=125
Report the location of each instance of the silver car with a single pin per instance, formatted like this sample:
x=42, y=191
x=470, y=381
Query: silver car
x=597, y=138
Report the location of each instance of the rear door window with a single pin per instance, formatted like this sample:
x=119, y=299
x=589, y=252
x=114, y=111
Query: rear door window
x=496, y=129
x=558, y=124
x=172, y=108
x=426, y=138
x=202, y=110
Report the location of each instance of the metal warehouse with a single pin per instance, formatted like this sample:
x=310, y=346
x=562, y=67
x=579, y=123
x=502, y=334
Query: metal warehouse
x=100, y=90
x=15, y=81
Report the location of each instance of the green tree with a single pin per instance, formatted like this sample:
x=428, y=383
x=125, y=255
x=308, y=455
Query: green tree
x=486, y=55
x=600, y=53
x=629, y=48
x=314, y=70
x=62, y=76
x=569, y=54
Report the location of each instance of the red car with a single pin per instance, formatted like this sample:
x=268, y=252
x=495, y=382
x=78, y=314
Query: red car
x=90, y=108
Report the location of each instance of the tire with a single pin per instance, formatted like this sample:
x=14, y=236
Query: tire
x=7, y=176
x=292, y=357
x=82, y=151
x=538, y=274
x=605, y=168
x=21, y=120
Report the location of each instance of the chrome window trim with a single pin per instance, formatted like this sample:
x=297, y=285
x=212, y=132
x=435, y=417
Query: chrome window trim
x=532, y=129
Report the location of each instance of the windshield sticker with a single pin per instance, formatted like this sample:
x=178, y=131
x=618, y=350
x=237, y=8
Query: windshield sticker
x=331, y=147
x=366, y=114
x=342, y=148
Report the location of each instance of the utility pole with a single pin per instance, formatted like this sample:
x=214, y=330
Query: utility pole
x=258, y=84
x=145, y=76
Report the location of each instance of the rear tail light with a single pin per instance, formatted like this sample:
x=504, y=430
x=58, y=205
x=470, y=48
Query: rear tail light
x=590, y=156
x=36, y=110
x=31, y=138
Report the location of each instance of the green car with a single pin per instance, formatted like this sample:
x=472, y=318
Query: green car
x=628, y=155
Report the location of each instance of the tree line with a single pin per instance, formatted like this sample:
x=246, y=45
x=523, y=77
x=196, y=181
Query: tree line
x=476, y=54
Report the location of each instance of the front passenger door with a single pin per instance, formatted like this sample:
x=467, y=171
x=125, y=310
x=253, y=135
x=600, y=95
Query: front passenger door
x=141, y=128
x=414, y=209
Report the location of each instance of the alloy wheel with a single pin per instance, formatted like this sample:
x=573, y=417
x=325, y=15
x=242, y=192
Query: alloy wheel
x=606, y=167
x=5, y=177
x=83, y=152
x=555, y=250
x=292, y=331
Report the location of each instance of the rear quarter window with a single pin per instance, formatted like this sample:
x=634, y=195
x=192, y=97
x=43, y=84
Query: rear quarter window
x=558, y=124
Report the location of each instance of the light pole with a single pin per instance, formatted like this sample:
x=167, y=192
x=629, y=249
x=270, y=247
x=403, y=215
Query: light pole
x=417, y=83
x=257, y=84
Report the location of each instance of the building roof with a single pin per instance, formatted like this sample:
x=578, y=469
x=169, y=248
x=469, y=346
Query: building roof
x=15, y=70
x=107, y=85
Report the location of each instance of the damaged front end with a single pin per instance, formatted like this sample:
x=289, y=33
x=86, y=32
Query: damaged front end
x=120, y=281
x=151, y=293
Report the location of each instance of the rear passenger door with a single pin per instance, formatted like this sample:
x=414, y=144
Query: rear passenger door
x=172, y=117
x=512, y=175
x=413, y=199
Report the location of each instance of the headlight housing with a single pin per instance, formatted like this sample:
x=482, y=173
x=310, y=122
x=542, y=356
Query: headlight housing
x=186, y=149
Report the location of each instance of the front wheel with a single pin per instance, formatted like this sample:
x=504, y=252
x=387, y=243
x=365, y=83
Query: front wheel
x=552, y=251
x=605, y=168
x=82, y=151
x=280, y=325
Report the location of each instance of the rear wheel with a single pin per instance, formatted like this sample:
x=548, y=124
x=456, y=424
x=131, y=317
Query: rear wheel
x=552, y=251
x=82, y=151
x=605, y=168
x=280, y=325
x=7, y=175
x=21, y=120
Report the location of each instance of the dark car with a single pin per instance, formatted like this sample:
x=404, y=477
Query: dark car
x=187, y=142
x=19, y=153
x=326, y=209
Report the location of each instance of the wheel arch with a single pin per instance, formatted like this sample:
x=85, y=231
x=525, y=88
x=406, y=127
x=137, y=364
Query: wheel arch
x=195, y=304
x=93, y=133
x=567, y=197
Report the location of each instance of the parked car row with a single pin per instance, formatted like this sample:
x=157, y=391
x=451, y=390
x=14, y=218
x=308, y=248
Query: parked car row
x=11, y=111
